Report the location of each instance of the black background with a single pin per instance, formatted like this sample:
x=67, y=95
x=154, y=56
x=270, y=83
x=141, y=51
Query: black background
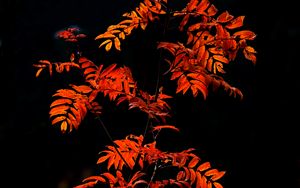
x=253, y=140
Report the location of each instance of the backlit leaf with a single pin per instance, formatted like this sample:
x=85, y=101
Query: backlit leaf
x=217, y=185
x=108, y=46
x=218, y=176
x=235, y=23
x=212, y=10
x=221, y=58
x=117, y=43
x=224, y=17
x=204, y=166
x=245, y=34
x=193, y=162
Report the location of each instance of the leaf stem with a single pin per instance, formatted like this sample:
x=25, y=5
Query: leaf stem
x=110, y=138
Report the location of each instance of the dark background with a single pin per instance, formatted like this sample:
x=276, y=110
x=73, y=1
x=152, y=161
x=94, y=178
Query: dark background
x=254, y=140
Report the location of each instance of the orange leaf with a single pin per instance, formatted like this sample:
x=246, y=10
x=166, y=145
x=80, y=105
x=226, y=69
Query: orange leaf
x=245, y=34
x=63, y=126
x=105, y=42
x=209, y=64
x=176, y=75
x=250, y=49
x=93, y=95
x=159, y=127
x=249, y=56
x=216, y=50
x=180, y=175
x=60, y=102
x=122, y=35
x=183, y=84
x=237, y=22
x=201, y=53
x=117, y=43
x=204, y=166
x=184, y=22
x=212, y=10
x=194, y=90
x=58, y=119
x=108, y=46
x=82, y=89
x=194, y=27
x=72, y=121
x=193, y=176
x=203, y=182
x=89, y=71
x=38, y=72
x=218, y=176
x=224, y=17
x=105, y=35
x=209, y=185
x=193, y=162
x=191, y=5
x=199, y=179
x=217, y=185
x=139, y=182
x=219, y=66
x=202, y=6
x=190, y=38
x=201, y=87
x=76, y=114
x=221, y=58
x=211, y=172
x=88, y=184
x=58, y=110
x=103, y=158
x=110, y=177
x=98, y=178
x=108, y=70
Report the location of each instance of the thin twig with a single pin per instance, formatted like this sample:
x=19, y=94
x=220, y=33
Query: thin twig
x=114, y=144
x=153, y=174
